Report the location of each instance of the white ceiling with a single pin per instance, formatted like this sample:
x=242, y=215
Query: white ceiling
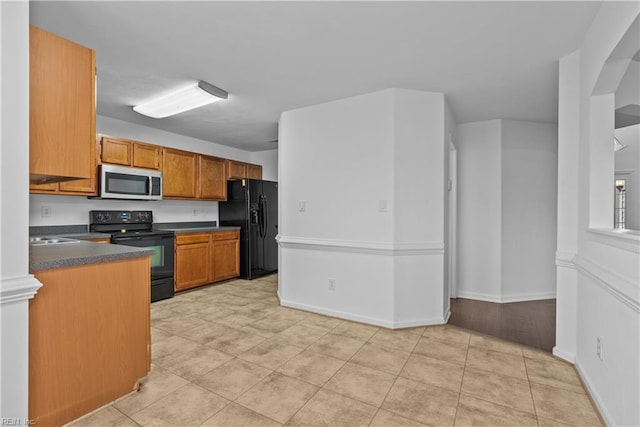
x=491, y=59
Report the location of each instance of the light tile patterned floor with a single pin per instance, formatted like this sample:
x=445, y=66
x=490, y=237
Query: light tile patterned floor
x=229, y=355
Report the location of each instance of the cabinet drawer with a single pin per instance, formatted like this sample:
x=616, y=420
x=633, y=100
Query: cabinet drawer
x=226, y=235
x=187, y=239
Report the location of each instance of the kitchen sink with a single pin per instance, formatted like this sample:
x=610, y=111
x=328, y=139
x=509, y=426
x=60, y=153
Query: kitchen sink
x=37, y=241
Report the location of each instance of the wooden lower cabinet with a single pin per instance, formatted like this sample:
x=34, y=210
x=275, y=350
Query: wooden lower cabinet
x=193, y=263
x=89, y=338
x=203, y=258
x=226, y=255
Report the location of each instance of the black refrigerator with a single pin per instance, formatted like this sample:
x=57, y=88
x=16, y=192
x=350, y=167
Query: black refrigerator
x=252, y=204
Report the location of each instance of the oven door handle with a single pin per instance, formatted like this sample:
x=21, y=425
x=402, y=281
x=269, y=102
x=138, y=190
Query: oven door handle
x=122, y=239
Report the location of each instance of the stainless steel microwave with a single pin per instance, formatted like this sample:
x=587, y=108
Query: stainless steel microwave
x=122, y=182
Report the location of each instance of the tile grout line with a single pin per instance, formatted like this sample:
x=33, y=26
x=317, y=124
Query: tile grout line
x=394, y=382
x=533, y=401
x=464, y=370
x=322, y=386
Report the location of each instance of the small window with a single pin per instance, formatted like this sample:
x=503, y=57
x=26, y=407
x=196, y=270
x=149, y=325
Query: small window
x=619, y=221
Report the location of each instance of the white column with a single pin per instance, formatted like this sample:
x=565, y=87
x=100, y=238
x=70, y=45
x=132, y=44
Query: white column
x=17, y=286
x=568, y=159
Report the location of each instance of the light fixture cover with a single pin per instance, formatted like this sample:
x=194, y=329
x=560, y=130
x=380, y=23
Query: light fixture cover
x=617, y=145
x=186, y=98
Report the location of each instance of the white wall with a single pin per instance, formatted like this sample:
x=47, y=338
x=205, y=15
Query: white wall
x=419, y=204
x=74, y=210
x=629, y=90
x=601, y=297
x=66, y=210
x=529, y=210
x=122, y=129
x=16, y=284
x=344, y=160
x=336, y=159
x=269, y=161
x=507, y=210
x=479, y=213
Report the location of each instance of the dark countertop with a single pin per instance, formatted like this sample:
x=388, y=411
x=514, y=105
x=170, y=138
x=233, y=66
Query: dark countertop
x=46, y=257
x=184, y=230
x=82, y=236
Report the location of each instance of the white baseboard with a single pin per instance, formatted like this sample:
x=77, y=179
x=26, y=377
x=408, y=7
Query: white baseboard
x=595, y=397
x=564, y=355
x=365, y=247
x=506, y=298
x=365, y=319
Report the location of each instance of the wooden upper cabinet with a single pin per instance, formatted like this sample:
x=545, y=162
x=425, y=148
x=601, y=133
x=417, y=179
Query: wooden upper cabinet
x=61, y=108
x=76, y=187
x=82, y=186
x=240, y=170
x=179, y=173
x=212, y=180
x=254, y=171
x=115, y=151
x=146, y=156
x=236, y=170
x=120, y=151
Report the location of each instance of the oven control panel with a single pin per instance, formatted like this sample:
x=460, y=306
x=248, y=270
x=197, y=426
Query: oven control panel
x=120, y=217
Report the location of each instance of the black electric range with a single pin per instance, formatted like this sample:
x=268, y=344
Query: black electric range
x=135, y=228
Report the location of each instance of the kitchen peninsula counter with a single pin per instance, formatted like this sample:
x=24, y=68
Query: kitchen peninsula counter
x=89, y=327
x=52, y=256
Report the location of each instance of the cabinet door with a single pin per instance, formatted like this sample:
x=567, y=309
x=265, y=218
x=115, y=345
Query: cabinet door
x=236, y=170
x=254, y=171
x=43, y=188
x=192, y=265
x=179, y=173
x=226, y=255
x=146, y=156
x=212, y=178
x=78, y=187
x=82, y=186
x=61, y=107
x=115, y=151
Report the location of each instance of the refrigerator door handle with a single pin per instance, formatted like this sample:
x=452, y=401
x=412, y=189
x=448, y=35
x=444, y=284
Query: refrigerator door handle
x=266, y=218
x=263, y=215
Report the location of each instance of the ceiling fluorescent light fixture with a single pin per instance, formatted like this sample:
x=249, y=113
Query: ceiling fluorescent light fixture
x=184, y=99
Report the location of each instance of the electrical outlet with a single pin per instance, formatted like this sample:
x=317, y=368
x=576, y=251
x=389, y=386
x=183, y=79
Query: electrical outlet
x=332, y=284
x=599, y=351
x=46, y=211
x=302, y=206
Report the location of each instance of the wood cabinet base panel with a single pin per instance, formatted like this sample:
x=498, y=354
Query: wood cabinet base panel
x=89, y=338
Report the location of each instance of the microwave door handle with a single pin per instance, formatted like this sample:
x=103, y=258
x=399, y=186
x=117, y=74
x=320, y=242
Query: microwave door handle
x=150, y=180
